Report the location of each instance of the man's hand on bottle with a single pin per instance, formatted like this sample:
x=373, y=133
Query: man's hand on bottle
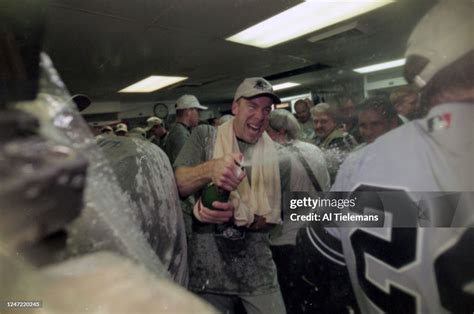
x=224, y=213
x=227, y=173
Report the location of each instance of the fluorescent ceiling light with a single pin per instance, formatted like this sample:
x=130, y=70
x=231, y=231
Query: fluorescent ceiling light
x=284, y=85
x=303, y=19
x=152, y=83
x=381, y=66
x=282, y=106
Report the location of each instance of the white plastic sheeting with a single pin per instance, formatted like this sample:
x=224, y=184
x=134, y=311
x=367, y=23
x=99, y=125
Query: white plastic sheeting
x=110, y=221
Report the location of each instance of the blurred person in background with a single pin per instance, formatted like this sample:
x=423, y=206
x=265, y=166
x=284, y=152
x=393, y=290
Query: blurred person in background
x=302, y=113
x=187, y=117
x=308, y=175
x=348, y=116
x=377, y=116
x=405, y=101
x=121, y=129
x=156, y=131
x=330, y=137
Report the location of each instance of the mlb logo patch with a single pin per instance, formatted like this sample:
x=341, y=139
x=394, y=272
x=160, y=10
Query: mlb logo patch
x=440, y=122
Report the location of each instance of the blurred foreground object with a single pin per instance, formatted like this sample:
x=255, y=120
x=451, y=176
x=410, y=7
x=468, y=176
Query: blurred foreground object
x=42, y=183
x=119, y=286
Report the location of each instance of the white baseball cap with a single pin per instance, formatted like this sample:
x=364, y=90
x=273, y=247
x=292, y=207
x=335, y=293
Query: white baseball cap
x=121, y=127
x=442, y=36
x=153, y=121
x=188, y=102
x=255, y=86
x=106, y=129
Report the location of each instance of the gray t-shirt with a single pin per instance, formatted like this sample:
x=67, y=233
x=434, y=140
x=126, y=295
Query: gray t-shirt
x=175, y=140
x=219, y=265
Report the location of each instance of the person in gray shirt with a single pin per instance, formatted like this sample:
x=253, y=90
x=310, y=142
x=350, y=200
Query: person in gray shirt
x=232, y=268
x=187, y=117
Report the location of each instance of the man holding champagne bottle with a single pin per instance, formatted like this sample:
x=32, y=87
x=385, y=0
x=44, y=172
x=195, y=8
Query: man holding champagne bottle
x=230, y=259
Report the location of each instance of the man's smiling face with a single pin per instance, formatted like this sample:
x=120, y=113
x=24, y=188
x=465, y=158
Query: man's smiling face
x=251, y=117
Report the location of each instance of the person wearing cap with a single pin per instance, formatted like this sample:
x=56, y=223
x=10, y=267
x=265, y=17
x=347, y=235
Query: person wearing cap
x=229, y=254
x=421, y=260
x=187, y=117
x=121, y=129
x=156, y=131
x=107, y=130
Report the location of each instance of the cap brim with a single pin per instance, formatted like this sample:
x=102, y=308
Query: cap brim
x=200, y=107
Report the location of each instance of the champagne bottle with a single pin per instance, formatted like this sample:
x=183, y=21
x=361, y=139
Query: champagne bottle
x=213, y=193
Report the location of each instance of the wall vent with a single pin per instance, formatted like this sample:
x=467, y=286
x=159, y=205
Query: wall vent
x=349, y=30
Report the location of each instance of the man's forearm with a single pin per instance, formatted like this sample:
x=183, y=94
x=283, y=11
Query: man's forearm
x=191, y=179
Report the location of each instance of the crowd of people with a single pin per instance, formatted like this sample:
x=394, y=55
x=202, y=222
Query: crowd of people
x=241, y=252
